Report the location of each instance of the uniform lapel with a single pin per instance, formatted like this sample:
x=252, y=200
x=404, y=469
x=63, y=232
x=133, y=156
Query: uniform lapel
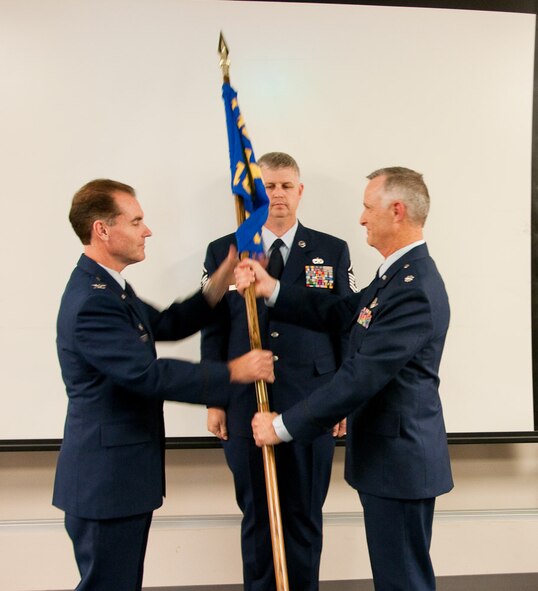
x=134, y=304
x=301, y=253
x=104, y=280
x=368, y=293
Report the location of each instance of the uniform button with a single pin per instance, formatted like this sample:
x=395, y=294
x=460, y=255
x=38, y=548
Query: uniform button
x=275, y=334
x=140, y=327
x=275, y=357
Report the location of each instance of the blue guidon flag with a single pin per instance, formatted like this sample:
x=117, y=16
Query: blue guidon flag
x=247, y=181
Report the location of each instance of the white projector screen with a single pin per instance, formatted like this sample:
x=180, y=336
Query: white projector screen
x=131, y=90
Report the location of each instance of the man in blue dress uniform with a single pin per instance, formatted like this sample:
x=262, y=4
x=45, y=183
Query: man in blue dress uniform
x=110, y=472
x=304, y=359
x=397, y=453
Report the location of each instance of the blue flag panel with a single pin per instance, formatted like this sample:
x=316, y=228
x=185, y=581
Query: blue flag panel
x=247, y=181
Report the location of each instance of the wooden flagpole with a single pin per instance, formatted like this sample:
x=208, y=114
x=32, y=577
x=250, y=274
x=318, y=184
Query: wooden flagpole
x=269, y=464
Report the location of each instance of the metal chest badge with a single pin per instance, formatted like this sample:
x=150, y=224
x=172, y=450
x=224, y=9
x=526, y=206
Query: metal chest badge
x=319, y=276
x=144, y=337
x=365, y=317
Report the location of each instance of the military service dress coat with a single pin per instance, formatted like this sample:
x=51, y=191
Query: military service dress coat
x=111, y=463
x=388, y=385
x=304, y=359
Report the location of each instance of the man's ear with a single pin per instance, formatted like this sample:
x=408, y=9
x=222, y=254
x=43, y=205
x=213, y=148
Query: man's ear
x=100, y=230
x=399, y=210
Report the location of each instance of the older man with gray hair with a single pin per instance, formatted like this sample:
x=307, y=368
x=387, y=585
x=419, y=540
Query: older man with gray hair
x=388, y=385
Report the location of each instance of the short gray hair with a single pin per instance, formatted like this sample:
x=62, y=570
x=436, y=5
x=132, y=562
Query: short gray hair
x=411, y=190
x=279, y=160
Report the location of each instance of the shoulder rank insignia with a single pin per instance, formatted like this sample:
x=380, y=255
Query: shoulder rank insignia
x=319, y=276
x=352, y=280
x=99, y=285
x=409, y=278
x=205, y=277
x=365, y=317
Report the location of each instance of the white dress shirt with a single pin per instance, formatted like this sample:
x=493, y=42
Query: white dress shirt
x=117, y=276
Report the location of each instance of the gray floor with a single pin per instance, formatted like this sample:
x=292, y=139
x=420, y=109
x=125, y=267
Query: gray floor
x=509, y=582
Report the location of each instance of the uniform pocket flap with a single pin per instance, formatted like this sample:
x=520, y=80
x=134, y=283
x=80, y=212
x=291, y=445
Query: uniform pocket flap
x=325, y=364
x=114, y=434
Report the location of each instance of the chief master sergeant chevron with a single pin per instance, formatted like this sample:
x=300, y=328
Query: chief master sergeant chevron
x=388, y=385
x=110, y=473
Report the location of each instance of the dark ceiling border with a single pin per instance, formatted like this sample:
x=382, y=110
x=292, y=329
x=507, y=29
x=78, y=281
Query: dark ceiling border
x=526, y=6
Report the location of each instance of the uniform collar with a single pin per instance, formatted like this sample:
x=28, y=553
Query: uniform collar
x=100, y=273
x=390, y=260
x=404, y=262
x=269, y=237
x=115, y=275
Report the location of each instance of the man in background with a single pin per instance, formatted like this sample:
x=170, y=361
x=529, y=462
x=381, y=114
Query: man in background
x=304, y=359
x=388, y=385
x=110, y=473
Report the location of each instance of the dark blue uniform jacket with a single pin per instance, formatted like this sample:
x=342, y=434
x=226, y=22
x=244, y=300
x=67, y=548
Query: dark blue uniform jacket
x=111, y=462
x=304, y=357
x=388, y=383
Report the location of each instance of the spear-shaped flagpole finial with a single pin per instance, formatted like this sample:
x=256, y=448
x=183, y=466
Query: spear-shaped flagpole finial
x=224, y=59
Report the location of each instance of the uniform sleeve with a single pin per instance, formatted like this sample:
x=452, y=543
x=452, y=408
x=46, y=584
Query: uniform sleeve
x=106, y=338
x=400, y=330
x=315, y=309
x=214, y=341
x=345, y=285
x=181, y=319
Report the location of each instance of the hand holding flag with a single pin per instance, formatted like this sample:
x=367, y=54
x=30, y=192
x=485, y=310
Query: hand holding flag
x=252, y=206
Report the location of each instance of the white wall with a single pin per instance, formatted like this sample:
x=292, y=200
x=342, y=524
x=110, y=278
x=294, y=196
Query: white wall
x=488, y=524
x=131, y=90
